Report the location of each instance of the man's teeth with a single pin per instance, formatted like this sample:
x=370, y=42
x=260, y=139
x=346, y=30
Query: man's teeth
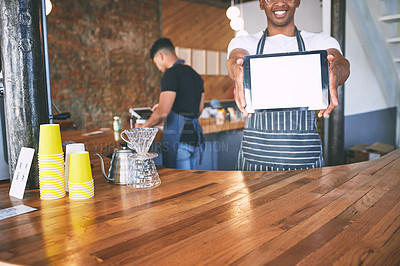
x=280, y=13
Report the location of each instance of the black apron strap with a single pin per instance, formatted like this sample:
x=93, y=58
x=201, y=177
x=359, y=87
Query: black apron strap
x=300, y=41
x=261, y=42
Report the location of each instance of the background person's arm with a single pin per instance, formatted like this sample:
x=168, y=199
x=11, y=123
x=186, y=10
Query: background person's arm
x=201, y=107
x=339, y=71
x=167, y=99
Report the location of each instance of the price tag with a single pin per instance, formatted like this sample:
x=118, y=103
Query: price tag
x=21, y=173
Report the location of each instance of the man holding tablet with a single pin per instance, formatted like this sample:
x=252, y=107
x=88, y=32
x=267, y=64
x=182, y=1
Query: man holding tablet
x=280, y=139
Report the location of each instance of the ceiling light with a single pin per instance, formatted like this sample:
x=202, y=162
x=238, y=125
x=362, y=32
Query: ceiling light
x=233, y=12
x=237, y=23
x=49, y=7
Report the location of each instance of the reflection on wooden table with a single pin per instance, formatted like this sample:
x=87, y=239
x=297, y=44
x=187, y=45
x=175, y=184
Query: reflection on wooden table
x=344, y=215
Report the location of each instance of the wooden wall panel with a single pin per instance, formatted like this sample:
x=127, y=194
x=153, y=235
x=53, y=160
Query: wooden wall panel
x=218, y=87
x=199, y=26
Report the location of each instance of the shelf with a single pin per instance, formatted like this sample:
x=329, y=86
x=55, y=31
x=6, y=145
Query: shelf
x=391, y=18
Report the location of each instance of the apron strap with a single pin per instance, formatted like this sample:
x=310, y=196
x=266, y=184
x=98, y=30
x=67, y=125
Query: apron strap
x=179, y=61
x=261, y=42
x=201, y=144
x=300, y=41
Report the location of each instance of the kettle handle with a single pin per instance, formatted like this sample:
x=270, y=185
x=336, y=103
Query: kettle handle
x=102, y=166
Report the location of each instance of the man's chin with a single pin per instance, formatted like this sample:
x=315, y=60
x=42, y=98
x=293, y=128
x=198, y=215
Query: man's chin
x=280, y=24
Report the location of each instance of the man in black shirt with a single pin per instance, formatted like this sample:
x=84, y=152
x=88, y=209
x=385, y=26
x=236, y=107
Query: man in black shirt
x=180, y=104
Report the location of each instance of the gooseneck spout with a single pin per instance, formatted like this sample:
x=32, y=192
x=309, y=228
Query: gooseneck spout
x=102, y=167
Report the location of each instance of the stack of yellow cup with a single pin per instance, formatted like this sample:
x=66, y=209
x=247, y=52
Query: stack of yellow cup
x=51, y=162
x=80, y=181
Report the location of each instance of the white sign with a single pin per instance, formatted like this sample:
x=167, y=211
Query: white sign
x=21, y=173
x=14, y=211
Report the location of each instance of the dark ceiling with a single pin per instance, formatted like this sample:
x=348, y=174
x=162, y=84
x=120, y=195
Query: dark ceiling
x=218, y=3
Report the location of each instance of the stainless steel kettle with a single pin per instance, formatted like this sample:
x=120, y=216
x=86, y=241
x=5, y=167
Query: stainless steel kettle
x=118, y=173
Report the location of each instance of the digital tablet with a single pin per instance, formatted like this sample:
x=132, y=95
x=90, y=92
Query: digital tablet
x=286, y=81
x=142, y=112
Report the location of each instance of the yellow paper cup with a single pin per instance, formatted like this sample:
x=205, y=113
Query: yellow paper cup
x=72, y=148
x=52, y=189
x=79, y=167
x=52, y=197
x=81, y=197
x=50, y=139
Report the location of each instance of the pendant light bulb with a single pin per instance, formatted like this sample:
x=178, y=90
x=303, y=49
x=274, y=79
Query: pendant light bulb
x=237, y=23
x=233, y=12
x=49, y=7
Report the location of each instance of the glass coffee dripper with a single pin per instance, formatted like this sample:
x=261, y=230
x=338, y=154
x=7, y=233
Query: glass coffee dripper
x=143, y=172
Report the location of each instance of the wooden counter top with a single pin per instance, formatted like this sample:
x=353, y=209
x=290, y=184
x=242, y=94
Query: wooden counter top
x=343, y=215
x=210, y=125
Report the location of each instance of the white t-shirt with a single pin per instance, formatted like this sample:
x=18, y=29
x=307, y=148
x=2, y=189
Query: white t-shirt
x=282, y=43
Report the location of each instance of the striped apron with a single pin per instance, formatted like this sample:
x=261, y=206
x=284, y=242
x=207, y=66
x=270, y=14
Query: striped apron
x=280, y=140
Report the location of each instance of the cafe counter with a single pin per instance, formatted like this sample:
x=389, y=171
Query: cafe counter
x=222, y=142
x=342, y=215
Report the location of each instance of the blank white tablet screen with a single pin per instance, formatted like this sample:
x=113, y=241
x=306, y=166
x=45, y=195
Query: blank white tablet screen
x=287, y=82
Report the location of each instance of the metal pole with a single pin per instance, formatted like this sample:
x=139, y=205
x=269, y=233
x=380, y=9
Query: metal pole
x=336, y=153
x=46, y=61
x=25, y=97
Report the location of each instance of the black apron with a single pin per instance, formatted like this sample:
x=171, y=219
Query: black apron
x=284, y=140
x=172, y=131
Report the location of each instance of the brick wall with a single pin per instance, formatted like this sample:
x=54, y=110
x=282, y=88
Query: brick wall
x=99, y=58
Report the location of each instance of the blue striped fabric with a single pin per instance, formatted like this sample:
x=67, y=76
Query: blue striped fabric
x=278, y=141
x=275, y=141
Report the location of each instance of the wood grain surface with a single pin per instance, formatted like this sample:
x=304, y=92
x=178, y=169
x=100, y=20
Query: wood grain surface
x=342, y=215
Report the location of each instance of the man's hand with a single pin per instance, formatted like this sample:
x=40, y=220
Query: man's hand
x=333, y=85
x=239, y=89
x=339, y=71
x=235, y=70
x=154, y=107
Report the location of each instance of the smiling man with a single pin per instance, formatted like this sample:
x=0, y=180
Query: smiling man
x=274, y=141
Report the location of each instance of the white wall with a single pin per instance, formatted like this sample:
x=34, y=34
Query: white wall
x=363, y=93
x=309, y=15
x=254, y=17
x=367, y=89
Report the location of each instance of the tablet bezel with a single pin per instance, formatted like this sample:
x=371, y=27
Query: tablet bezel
x=247, y=78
